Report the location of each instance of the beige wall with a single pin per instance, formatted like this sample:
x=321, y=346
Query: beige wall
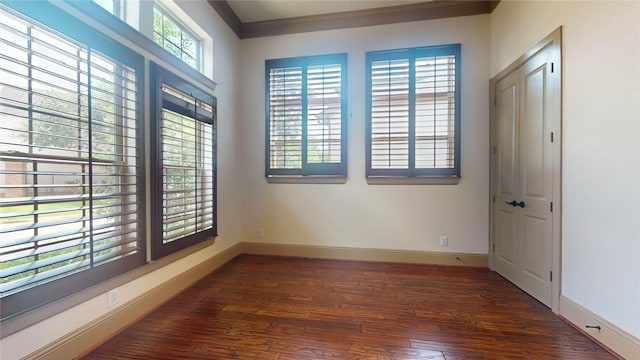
x=601, y=154
x=405, y=217
x=225, y=70
x=601, y=143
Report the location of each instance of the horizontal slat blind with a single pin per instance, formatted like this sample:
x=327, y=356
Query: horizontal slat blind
x=285, y=104
x=187, y=167
x=413, y=120
x=390, y=114
x=435, y=111
x=306, y=121
x=69, y=159
x=324, y=113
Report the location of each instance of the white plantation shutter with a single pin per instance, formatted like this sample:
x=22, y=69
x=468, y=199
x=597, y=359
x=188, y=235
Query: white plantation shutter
x=285, y=113
x=324, y=113
x=390, y=114
x=306, y=116
x=413, y=119
x=71, y=174
x=435, y=112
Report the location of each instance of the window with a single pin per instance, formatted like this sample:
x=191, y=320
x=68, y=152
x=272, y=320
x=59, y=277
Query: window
x=413, y=112
x=306, y=111
x=183, y=135
x=115, y=7
x=71, y=165
x=176, y=38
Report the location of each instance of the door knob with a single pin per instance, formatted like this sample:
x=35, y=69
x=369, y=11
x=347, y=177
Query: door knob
x=521, y=204
x=512, y=203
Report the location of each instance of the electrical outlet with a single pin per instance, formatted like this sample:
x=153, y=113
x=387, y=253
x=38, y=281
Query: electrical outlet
x=112, y=298
x=260, y=233
x=444, y=241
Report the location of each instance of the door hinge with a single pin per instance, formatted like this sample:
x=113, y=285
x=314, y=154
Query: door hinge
x=550, y=275
x=552, y=69
x=552, y=136
x=494, y=198
x=551, y=206
x=494, y=149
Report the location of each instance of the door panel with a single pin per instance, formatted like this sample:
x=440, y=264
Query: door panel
x=506, y=187
x=506, y=231
x=532, y=132
x=535, y=227
x=533, y=246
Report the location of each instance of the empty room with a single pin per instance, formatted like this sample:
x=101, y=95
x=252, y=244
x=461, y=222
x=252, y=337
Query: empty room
x=319, y=179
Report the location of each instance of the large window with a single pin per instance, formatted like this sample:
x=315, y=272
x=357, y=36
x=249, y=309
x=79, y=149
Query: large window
x=306, y=116
x=71, y=162
x=413, y=112
x=183, y=156
x=176, y=38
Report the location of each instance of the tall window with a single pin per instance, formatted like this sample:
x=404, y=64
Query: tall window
x=71, y=172
x=306, y=116
x=184, y=156
x=413, y=112
x=176, y=38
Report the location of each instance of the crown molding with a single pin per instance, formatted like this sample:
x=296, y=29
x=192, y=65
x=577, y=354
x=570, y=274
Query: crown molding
x=228, y=15
x=436, y=9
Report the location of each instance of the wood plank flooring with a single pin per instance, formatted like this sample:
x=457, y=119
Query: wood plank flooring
x=260, y=307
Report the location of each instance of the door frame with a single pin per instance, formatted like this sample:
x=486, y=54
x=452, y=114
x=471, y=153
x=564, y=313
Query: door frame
x=554, y=40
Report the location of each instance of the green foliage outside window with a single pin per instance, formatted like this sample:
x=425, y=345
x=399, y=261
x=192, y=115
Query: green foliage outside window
x=175, y=38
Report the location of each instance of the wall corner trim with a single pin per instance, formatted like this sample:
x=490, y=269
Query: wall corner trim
x=612, y=338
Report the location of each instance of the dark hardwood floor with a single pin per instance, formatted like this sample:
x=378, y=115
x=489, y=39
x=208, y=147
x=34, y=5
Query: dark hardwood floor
x=260, y=307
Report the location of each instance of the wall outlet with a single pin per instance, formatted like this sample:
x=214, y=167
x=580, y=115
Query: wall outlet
x=112, y=298
x=444, y=241
x=260, y=233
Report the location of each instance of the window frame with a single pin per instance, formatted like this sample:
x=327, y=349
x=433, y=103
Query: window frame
x=411, y=172
x=309, y=171
x=183, y=29
x=55, y=20
x=158, y=77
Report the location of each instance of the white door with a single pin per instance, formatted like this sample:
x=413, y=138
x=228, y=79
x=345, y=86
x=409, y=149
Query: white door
x=506, y=182
x=523, y=221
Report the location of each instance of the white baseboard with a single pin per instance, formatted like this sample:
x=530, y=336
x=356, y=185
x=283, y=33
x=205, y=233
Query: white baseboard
x=83, y=340
x=362, y=254
x=609, y=336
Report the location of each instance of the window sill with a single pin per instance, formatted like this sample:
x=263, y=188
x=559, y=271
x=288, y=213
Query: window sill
x=418, y=180
x=312, y=179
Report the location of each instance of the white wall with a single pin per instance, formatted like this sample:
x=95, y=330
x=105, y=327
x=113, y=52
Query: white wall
x=601, y=143
x=404, y=217
x=225, y=72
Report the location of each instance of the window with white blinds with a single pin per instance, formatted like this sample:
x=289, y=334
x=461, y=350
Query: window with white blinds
x=306, y=116
x=413, y=112
x=184, y=188
x=71, y=173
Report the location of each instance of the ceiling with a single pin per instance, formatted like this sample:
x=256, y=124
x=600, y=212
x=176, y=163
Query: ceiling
x=256, y=18
x=262, y=10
